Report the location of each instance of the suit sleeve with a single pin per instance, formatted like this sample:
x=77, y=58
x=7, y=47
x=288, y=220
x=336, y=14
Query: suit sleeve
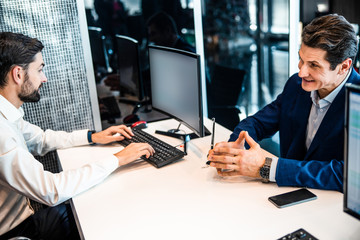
x=326, y=175
x=263, y=124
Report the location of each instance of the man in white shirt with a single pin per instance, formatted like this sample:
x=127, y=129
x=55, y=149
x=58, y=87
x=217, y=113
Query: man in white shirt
x=22, y=177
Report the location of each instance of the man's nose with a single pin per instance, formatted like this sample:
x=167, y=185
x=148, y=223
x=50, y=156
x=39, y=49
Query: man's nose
x=303, y=70
x=44, y=79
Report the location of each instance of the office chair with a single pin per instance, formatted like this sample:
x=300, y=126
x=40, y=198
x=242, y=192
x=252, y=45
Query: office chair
x=223, y=94
x=136, y=27
x=99, y=53
x=130, y=75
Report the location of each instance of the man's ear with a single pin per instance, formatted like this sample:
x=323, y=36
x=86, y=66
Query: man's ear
x=18, y=74
x=345, y=66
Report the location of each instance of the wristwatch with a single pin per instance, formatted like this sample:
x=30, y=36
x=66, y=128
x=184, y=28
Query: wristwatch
x=90, y=132
x=265, y=170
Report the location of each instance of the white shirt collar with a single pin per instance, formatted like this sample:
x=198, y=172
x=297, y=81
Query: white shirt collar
x=9, y=111
x=329, y=98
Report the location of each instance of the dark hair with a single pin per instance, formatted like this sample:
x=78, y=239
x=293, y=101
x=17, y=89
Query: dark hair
x=333, y=34
x=16, y=49
x=163, y=22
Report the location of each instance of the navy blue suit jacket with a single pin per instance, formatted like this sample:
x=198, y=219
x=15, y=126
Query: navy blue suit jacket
x=322, y=165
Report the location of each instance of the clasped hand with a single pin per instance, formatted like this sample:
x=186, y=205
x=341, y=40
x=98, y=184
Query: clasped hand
x=231, y=158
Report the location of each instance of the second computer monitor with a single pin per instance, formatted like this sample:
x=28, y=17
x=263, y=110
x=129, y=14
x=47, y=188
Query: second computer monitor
x=176, y=85
x=352, y=152
x=129, y=65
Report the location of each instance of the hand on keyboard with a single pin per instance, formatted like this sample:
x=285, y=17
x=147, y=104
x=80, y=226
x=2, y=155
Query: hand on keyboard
x=134, y=151
x=112, y=134
x=164, y=153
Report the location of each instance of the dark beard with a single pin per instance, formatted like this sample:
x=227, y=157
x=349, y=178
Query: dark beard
x=34, y=96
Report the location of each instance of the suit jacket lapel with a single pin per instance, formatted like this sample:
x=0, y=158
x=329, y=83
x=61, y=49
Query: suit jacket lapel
x=299, y=124
x=333, y=116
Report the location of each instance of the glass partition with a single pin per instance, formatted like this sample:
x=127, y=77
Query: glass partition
x=250, y=35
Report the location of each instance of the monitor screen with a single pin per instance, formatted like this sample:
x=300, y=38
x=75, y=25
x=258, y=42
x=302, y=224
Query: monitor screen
x=129, y=66
x=176, y=85
x=352, y=152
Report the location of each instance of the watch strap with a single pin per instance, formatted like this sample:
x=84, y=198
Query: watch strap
x=89, y=136
x=265, y=170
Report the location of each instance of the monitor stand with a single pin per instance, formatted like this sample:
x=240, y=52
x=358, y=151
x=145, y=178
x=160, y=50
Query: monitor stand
x=174, y=133
x=183, y=136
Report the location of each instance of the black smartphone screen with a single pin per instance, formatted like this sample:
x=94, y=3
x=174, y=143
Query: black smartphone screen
x=291, y=198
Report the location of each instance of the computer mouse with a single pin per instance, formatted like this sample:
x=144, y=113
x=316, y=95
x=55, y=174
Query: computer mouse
x=139, y=125
x=132, y=118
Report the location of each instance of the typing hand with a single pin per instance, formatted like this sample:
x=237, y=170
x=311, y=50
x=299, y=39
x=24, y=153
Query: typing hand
x=236, y=159
x=134, y=151
x=112, y=134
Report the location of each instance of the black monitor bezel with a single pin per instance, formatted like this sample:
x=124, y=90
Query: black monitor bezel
x=140, y=84
x=200, y=133
x=349, y=88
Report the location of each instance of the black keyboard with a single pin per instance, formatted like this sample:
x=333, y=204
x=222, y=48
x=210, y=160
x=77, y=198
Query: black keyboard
x=164, y=153
x=298, y=234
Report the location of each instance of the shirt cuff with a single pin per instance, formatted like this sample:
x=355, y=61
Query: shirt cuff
x=273, y=167
x=78, y=138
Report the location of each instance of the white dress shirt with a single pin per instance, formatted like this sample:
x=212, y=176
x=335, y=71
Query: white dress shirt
x=23, y=177
x=317, y=114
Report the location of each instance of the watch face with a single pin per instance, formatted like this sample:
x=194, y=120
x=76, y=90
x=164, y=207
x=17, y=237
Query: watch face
x=264, y=172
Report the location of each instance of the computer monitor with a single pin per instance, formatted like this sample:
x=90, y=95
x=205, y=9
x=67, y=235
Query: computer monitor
x=98, y=50
x=176, y=86
x=352, y=152
x=129, y=67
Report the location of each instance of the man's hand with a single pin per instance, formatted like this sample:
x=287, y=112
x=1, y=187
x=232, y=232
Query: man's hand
x=233, y=157
x=239, y=143
x=112, y=134
x=134, y=151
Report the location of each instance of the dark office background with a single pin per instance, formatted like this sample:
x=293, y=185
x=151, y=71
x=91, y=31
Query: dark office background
x=238, y=34
x=246, y=44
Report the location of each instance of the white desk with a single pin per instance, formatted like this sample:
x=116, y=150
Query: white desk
x=185, y=201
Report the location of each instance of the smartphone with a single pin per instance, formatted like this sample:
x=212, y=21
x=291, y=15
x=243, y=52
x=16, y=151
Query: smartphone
x=292, y=198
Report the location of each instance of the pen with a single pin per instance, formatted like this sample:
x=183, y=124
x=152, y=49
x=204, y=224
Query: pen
x=212, y=138
x=213, y=134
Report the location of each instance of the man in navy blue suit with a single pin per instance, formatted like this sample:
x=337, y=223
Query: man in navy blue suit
x=309, y=115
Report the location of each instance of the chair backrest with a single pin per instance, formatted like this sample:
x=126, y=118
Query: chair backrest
x=98, y=48
x=226, y=117
x=136, y=27
x=128, y=55
x=226, y=86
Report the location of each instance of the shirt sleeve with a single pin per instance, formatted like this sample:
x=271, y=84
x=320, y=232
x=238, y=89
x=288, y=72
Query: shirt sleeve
x=40, y=142
x=273, y=167
x=20, y=171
